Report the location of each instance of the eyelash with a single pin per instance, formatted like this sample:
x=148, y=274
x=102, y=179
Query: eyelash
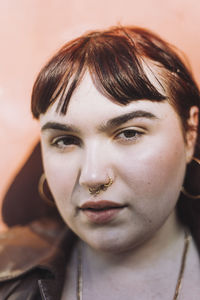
x=134, y=135
x=66, y=140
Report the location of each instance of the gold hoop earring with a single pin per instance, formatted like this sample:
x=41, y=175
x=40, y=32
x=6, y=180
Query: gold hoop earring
x=183, y=190
x=102, y=187
x=41, y=190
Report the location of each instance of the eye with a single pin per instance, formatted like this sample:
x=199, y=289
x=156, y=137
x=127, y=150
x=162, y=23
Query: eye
x=129, y=135
x=65, y=141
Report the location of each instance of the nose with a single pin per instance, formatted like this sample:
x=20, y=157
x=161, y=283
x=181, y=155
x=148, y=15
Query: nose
x=96, y=172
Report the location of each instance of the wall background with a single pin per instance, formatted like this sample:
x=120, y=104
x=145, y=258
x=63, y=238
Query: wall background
x=31, y=30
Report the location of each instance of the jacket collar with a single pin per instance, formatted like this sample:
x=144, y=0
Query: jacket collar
x=39, y=245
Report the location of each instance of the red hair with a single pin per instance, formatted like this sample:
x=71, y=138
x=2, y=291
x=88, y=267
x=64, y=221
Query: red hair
x=119, y=61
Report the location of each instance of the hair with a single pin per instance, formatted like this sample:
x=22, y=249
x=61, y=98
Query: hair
x=121, y=62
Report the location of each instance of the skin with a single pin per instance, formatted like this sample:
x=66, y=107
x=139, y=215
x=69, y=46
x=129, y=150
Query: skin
x=146, y=157
x=145, y=152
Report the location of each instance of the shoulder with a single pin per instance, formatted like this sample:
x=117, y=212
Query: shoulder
x=30, y=254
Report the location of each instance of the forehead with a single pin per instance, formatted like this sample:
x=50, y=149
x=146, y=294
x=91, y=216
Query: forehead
x=88, y=105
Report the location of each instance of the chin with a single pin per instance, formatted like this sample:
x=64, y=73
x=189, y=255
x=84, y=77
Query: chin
x=112, y=243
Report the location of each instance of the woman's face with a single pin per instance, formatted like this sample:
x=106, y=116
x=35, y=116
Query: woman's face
x=140, y=146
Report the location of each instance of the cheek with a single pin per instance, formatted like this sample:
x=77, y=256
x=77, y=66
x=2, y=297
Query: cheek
x=61, y=175
x=156, y=171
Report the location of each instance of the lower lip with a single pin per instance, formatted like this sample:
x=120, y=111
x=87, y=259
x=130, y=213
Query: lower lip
x=102, y=216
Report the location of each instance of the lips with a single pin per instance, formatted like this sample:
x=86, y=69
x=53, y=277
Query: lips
x=101, y=211
x=99, y=205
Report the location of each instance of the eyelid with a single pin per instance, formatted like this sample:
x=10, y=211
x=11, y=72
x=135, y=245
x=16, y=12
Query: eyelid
x=134, y=128
x=55, y=139
x=135, y=135
x=76, y=140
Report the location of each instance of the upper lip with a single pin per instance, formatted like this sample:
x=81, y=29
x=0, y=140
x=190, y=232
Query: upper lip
x=102, y=204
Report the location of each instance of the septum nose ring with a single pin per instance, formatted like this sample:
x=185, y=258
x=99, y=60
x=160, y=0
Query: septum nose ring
x=102, y=187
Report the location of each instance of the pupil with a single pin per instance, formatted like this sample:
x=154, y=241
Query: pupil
x=129, y=133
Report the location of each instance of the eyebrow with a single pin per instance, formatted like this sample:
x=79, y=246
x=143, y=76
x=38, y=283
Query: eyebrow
x=110, y=124
x=117, y=121
x=60, y=127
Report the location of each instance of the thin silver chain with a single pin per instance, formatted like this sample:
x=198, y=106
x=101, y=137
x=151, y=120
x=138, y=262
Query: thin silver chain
x=79, y=291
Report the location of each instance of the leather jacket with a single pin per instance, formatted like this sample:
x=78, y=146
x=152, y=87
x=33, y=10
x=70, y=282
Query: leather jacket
x=33, y=260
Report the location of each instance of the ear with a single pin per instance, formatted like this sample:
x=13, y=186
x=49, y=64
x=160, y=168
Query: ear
x=192, y=132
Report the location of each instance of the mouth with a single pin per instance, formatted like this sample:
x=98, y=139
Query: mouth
x=101, y=212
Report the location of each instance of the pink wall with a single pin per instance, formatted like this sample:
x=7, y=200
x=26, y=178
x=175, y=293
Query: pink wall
x=32, y=30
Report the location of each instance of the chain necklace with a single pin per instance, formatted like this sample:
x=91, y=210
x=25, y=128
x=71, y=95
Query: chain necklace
x=79, y=290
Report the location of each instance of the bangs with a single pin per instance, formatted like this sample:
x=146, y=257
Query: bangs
x=122, y=74
x=118, y=70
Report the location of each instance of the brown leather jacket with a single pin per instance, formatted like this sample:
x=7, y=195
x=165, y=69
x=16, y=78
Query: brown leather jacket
x=33, y=260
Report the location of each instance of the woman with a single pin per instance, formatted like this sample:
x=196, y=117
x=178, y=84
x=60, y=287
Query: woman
x=119, y=128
